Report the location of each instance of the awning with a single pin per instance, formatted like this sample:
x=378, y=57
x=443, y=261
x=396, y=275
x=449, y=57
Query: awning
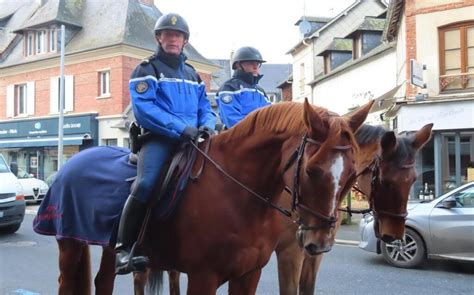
x=382, y=102
x=43, y=141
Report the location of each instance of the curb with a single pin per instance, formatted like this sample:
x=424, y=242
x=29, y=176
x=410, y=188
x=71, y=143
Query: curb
x=347, y=242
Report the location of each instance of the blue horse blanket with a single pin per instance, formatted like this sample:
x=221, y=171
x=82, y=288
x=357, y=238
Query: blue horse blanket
x=85, y=200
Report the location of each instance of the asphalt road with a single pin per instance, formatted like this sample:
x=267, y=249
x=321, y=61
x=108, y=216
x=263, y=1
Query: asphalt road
x=28, y=266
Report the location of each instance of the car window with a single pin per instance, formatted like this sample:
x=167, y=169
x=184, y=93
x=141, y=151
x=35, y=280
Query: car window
x=22, y=174
x=3, y=166
x=465, y=198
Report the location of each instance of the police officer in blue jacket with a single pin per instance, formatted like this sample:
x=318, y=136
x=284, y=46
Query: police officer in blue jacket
x=169, y=100
x=241, y=95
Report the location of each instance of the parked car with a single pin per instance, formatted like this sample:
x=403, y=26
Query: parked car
x=34, y=189
x=12, y=201
x=440, y=228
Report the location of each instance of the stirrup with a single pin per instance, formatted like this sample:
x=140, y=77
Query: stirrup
x=135, y=263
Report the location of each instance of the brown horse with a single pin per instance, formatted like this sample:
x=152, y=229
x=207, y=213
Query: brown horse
x=386, y=171
x=222, y=231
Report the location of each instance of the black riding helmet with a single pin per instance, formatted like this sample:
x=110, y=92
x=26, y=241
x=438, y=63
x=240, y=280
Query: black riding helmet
x=246, y=54
x=172, y=21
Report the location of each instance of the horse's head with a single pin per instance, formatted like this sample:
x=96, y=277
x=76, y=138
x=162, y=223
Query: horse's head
x=325, y=170
x=392, y=179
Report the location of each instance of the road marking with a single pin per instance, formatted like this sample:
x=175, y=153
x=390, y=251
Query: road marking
x=25, y=292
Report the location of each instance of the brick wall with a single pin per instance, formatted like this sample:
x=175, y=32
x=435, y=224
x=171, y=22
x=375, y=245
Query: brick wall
x=286, y=93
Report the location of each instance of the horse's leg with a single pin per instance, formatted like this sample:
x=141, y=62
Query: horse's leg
x=290, y=261
x=174, y=282
x=202, y=284
x=247, y=284
x=104, y=280
x=139, y=281
x=74, y=268
x=309, y=273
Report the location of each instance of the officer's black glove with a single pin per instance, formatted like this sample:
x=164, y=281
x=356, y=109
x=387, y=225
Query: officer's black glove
x=190, y=133
x=208, y=130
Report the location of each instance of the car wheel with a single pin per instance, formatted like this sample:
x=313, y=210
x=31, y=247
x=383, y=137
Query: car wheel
x=406, y=253
x=10, y=229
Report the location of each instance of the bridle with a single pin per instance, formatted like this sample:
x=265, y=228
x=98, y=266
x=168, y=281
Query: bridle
x=375, y=184
x=297, y=156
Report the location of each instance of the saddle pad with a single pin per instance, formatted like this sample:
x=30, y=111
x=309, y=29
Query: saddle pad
x=85, y=200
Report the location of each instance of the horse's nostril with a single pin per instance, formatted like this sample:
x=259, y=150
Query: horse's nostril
x=388, y=238
x=312, y=249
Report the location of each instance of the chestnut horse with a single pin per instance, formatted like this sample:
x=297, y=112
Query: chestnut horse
x=385, y=167
x=224, y=229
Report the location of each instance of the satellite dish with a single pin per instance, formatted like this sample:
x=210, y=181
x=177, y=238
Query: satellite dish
x=305, y=27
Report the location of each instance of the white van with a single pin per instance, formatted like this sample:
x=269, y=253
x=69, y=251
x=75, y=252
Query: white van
x=12, y=200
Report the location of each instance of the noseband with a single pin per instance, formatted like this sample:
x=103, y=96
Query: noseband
x=328, y=221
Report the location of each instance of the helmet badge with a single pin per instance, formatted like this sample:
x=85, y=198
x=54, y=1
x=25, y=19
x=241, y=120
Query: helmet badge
x=173, y=20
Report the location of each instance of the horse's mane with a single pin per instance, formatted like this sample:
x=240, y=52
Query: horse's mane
x=277, y=118
x=285, y=117
x=368, y=134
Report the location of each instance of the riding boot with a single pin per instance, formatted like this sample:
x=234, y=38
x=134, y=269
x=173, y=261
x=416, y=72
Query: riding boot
x=129, y=227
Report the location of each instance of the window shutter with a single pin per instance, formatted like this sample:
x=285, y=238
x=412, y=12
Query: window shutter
x=54, y=95
x=10, y=100
x=69, y=94
x=30, y=98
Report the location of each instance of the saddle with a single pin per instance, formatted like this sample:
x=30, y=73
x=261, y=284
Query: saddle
x=174, y=176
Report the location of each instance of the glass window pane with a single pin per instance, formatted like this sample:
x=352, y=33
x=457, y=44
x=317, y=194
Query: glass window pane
x=452, y=39
x=453, y=59
x=470, y=36
x=470, y=82
x=470, y=57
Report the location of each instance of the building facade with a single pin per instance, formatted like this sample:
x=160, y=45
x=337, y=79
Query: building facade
x=440, y=36
x=100, y=55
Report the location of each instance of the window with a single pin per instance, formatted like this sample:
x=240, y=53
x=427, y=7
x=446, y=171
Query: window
x=20, y=100
x=456, y=56
x=357, y=46
x=302, y=79
x=40, y=42
x=104, y=85
x=54, y=92
x=327, y=63
x=110, y=141
x=53, y=40
x=29, y=49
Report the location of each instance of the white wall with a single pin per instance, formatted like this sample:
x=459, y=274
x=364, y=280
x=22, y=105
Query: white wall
x=355, y=86
x=427, y=43
x=303, y=56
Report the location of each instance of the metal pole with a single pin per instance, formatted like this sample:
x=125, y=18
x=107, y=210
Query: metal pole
x=61, y=102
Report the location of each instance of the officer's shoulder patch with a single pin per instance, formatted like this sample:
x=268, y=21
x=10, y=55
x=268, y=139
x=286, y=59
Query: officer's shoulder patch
x=227, y=98
x=141, y=87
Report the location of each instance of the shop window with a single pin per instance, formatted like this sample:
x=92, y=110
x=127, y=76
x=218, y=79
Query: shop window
x=68, y=94
x=456, y=58
x=104, y=83
x=20, y=99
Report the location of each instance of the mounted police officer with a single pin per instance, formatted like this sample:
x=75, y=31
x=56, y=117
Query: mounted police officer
x=241, y=95
x=169, y=100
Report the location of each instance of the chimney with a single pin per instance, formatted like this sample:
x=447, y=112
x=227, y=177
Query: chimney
x=146, y=2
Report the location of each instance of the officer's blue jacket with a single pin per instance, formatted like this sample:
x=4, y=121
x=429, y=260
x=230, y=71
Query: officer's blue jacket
x=167, y=95
x=239, y=96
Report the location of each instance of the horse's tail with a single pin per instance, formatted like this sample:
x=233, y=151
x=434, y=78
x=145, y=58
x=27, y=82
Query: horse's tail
x=84, y=269
x=155, y=282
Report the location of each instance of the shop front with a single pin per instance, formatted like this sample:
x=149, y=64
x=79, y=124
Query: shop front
x=446, y=161
x=33, y=143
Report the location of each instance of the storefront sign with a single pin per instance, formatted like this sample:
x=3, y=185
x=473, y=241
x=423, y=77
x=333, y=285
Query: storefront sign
x=47, y=127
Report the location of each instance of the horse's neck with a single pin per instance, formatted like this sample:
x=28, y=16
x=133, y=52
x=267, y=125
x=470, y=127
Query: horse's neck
x=365, y=157
x=254, y=160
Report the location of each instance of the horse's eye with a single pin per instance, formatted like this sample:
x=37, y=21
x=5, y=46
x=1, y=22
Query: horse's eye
x=314, y=171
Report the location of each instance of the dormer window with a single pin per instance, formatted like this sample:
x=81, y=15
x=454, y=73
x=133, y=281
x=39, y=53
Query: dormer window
x=30, y=37
x=53, y=39
x=357, y=46
x=40, y=42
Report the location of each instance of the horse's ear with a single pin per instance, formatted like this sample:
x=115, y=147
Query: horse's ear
x=422, y=136
x=357, y=119
x=313, y=122
x=388, y=142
